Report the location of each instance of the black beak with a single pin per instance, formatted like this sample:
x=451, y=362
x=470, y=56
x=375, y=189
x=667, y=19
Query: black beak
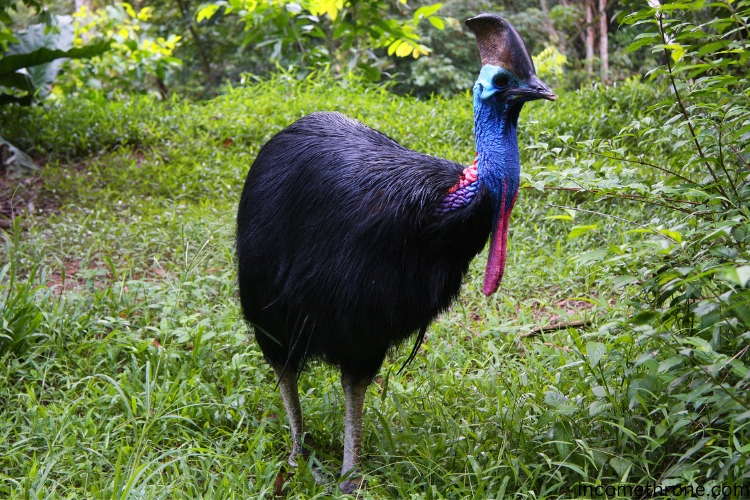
x=536, y=89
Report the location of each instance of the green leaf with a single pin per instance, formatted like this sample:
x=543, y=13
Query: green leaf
x=672, y=234
x=620, y=465
x=712, y=47
x=392, y=47
x=696, y=5
x=404, y=50
x=593, y=256
x=743, y=273
x=699, y=343
x=372, y=73
x=577, y=231
x=599, y=391
x=555, y=398
x=644, y=317
x=206, y=11
x=18, y=81
x=737, y=275
x=425, y=11
x=563, y=436
x=437, y=22
x=670, y=363
x=7, y=36
x=14, y=62
x=677, y=51
x=641, y=42
x=342, y=28
x=595, y=352
x=639, y=16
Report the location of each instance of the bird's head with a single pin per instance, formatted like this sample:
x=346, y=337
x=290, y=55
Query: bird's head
x=508, y=76
x=506, y=81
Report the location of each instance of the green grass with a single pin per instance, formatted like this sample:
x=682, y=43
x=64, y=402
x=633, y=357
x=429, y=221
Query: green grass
x=139, y=379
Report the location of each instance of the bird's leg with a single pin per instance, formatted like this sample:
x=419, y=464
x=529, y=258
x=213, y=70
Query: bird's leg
x=354, y=393
x=290, y=395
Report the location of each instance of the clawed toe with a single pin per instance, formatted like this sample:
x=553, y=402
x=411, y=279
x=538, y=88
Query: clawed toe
x=351, y=484
x=303, y=451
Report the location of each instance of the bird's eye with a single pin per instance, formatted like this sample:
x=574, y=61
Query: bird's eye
x=500, y=81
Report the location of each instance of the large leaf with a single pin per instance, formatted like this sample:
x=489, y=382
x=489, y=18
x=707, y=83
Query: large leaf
x=17, y=161
x=18, y=81
x=58, y=35
x=43, y=55
x=41, y=49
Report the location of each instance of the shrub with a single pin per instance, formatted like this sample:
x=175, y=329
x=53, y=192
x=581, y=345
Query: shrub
x=670, y=375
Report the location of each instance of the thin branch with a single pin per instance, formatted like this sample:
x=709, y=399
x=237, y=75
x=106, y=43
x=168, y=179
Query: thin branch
x=201, y=49
x=299, y=42
x=562, y=348
x=721, y=157
x=739, y=154
x=637, y=162
x=537, y=330
x=736, y=356
x=736, y=17
x=616, y=218
x=636, y=197
x=643, y=199
x=684, y=112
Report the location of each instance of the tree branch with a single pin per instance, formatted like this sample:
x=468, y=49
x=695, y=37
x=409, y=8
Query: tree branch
x=537, y=330
x=685, y=113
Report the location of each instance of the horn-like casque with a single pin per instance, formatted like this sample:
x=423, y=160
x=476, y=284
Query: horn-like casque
x=501, y=45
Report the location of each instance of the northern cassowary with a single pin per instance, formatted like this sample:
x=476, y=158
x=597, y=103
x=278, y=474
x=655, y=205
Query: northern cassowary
x=349, y=243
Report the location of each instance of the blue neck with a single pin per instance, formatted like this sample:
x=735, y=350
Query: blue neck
x=498, y=160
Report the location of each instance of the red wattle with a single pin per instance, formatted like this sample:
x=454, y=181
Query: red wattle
x=493, y=274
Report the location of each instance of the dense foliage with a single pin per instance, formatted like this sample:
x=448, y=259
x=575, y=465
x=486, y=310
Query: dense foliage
x=614, y=356
x=421, y=48
x=139, y=352
x=684, y=271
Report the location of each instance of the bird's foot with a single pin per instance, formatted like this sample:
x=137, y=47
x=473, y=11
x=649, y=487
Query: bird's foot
x=302, y=451
x=352, y=483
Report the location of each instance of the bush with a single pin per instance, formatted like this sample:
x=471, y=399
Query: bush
x=136, y=63
x=668, y=379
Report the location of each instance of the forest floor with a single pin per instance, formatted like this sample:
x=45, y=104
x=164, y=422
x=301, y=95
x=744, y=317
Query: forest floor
x=134, y=376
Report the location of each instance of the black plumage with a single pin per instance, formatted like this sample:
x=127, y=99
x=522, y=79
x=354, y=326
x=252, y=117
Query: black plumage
x=348, y=243
x=341, y=253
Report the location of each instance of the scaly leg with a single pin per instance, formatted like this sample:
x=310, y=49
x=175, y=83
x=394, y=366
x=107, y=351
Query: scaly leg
x=354, y=393
x=290, y=395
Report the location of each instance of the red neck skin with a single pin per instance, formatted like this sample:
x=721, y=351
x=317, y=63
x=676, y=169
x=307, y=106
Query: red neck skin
x=498, y=247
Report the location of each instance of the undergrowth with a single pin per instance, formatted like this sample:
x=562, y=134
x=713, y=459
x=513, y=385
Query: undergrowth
x=127, y=372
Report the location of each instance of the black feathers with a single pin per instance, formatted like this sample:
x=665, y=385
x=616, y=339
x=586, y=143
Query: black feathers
x=340, y=252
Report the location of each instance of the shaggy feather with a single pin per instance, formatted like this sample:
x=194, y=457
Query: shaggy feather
x=339, y=246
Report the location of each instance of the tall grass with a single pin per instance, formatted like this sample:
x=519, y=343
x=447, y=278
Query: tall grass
x=138, y=379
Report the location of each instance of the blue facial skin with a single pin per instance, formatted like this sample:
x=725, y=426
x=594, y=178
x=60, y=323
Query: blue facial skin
x=495, y=121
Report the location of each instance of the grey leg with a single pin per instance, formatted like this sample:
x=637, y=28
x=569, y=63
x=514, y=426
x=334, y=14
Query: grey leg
x=290, y=395
x=354, y=393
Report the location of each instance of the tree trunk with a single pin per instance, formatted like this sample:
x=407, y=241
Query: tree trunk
x=185, y=11
x=590, y=34
x=603, y=39
x=554, y=36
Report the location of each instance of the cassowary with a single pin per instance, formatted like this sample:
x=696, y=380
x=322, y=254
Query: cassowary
x=349, y=243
